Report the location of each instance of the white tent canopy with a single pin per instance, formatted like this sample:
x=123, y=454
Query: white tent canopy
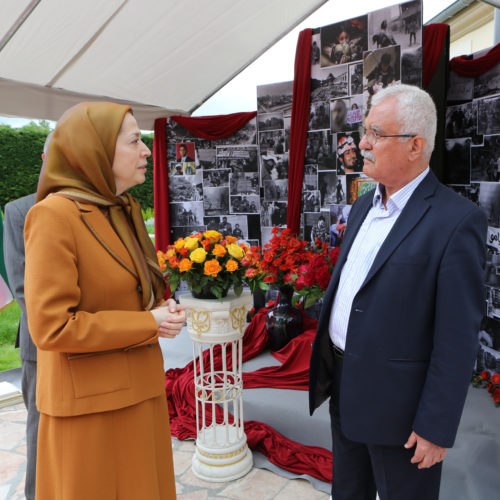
x=161, y=56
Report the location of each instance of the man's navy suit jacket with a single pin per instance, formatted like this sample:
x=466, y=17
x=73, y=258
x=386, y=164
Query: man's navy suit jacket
x=412, y=333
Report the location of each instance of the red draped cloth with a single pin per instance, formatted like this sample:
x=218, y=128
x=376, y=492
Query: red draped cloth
x=434, y=39
x=470, y=68
x=298, y=128
x=293, y=373
x=206, y=127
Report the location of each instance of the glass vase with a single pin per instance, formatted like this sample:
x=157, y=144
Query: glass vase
x=283, y=321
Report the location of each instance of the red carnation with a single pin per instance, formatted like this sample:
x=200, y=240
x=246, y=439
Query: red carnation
x=496, y=396
x=496, y=378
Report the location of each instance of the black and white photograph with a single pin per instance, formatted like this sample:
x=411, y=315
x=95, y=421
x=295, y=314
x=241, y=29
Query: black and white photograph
x=234, y=225
x=275, y=97
x=349, y=156
x=489, y=201
x=488, y=116
x=274, y=167
x=460, y=88
x=177, y=232
x=485, y=160
x=310, y=182
x=338, y=220
x=251, y=242
x=244, y=183
x=186, y=188
x=317, y=226
x=273, y=213
x=411, y=66
x=340, y=190
x=488, y=83
x=273, y=142
x=238, y=158
x=343, y=42
x=457, y=161
x=216, y=200
x=493, y=307
x=327, y=182
x=320, y=151
x=187, y=213
x=488, y=359
x=206, y=158
x=270, y=121
x=267, y=234
x=493, y=239
x=216, y=178
x=311, y=201
x=276, y=190
x=381, y=68
x=356, y=78
x=461, y=120
x=315, y=49
x=319, y=115
x=471, y=192
x=245, y=135
x=328, y=83
x=395, y=25
x=245, y=204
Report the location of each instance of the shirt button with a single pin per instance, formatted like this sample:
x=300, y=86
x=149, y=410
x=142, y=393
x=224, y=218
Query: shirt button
x=139, y=288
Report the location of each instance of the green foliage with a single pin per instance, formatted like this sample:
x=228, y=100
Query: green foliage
x=148, y=213
x=20, y=163
x=9, y=320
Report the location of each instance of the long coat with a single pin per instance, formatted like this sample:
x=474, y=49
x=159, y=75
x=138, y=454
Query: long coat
x=412, y=333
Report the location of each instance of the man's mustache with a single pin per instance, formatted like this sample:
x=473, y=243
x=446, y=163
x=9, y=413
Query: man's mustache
x=367, y=154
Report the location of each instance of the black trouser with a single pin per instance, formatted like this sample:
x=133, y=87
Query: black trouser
x=360, y=470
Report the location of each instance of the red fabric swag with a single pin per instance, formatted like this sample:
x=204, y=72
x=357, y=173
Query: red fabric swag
x=206, y=127
x=471, y=68
x=293, y=373
x=298, y=128
x=434, y=38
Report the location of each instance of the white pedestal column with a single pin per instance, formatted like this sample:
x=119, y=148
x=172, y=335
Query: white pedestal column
x=217, y=326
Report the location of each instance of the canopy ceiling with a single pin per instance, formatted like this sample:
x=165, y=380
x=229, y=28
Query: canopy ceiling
x=162, y=56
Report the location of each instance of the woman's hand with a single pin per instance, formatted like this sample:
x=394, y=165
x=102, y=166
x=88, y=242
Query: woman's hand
x=170, y=318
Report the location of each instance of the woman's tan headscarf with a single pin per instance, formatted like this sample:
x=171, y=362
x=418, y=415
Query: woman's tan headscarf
x=78, y=166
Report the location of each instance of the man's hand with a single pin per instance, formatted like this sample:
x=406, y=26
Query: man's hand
x=170, y=317
x=426, y=453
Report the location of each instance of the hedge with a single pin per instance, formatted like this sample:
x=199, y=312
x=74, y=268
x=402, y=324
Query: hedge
x=20, y=162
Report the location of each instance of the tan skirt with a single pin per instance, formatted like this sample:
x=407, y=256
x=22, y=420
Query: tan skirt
x=123, y=454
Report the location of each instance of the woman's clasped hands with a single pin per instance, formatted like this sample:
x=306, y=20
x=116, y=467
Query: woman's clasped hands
x=170, y=318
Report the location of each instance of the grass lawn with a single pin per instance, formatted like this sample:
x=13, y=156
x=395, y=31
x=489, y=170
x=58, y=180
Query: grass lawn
x=9, y=355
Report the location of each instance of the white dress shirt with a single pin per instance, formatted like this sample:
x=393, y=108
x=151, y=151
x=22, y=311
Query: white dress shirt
x=371, y=235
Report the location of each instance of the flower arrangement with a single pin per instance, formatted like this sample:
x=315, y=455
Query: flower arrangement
x=491, y=382
x=211, y=264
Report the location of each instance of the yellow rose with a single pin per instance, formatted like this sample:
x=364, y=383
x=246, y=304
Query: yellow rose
x=235, y=251
x=214, y=236
x=191, y=243
x=179, y=244
x=199, y=255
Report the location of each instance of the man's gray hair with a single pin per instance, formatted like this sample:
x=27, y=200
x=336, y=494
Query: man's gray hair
x=47, y=142
x=415, y=114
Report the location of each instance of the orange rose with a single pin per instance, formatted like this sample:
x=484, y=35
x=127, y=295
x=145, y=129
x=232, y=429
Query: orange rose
x=170, y=253
x=212, y=268
x=231, y=239
x=219, y=250
x=174, y=262
x=206, y=244
x=185, y=265
x=231, y=265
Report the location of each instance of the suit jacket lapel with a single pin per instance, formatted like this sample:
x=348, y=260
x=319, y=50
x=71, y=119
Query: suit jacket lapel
x=415, y=209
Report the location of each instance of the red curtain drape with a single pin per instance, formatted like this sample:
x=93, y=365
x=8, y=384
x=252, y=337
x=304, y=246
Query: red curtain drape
x=293, y=373
x=298, y=128
x=470, y=68
x=434, y=38
x=206, y=127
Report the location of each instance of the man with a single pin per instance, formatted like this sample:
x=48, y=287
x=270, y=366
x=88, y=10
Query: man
x=339, y=113
x=225, y=227
x=383, y=73
x=397, y=335
x=347, y=152
x=183, y=156
x=320, y=231
x=237, y=233
x=15, y=213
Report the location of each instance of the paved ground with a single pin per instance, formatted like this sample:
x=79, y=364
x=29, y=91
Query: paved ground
x=258, y=484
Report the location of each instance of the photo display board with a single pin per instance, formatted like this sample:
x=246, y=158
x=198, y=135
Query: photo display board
x=472, y=169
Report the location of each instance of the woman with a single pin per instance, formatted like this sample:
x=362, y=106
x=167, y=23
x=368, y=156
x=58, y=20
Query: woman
x=92, y=289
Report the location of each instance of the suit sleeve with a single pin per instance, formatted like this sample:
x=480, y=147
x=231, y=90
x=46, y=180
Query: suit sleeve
x=459, y=308
x=53, y=294
x=14, y=252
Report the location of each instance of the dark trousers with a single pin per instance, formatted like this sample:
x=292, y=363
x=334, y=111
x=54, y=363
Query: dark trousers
x=28, y=383
x=360, y=469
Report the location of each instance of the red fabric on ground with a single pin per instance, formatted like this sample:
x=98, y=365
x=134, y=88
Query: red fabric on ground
x=293, y=373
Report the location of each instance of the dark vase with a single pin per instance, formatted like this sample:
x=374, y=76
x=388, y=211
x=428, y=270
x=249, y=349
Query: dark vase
x=206, y=293
x=283, y=321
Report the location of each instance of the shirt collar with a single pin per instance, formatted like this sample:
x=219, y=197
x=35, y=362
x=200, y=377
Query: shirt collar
x=399, y=199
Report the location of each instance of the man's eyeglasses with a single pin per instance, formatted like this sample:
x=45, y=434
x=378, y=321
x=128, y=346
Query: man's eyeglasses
x=372, y=136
